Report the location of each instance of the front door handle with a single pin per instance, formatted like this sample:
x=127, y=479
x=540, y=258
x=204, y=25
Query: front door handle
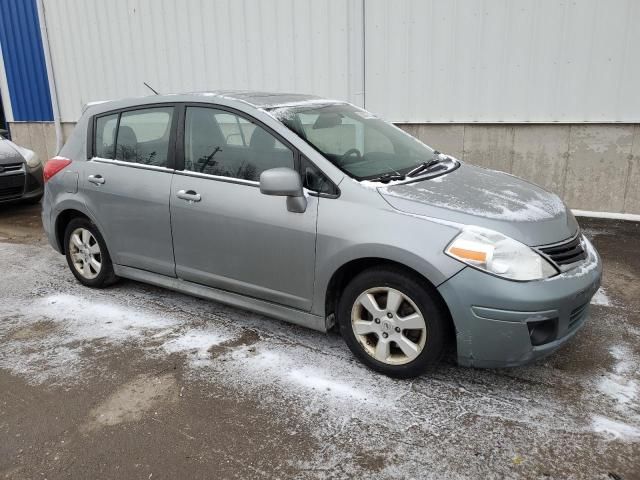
x=96, y=179
x=189, y=195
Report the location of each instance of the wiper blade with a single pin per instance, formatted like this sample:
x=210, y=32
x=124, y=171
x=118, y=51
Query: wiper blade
x=388, y=177
x=423, y=166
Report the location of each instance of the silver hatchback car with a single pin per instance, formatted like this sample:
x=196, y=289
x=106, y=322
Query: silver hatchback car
x=319, y=213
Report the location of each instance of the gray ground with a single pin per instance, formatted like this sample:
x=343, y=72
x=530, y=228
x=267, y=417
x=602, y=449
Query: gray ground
x=139, y=382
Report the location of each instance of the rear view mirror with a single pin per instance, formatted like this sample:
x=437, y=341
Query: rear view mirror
x=284, y=182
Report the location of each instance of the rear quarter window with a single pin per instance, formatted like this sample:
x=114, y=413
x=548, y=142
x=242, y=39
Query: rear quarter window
x=105, y=136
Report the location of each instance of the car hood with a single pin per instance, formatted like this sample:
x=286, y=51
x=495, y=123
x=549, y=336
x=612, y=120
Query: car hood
x=8, y=154
x=473, y=195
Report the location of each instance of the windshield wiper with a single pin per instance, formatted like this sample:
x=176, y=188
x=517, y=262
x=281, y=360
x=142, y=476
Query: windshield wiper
x=426, y=165
x=388, y=177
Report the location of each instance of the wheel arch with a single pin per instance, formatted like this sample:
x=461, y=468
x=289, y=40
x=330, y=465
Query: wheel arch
x=347, y=271
x=67, y=213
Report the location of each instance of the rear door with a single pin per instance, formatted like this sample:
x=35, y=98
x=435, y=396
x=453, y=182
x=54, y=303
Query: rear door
x=226, y=233
x=127, y=184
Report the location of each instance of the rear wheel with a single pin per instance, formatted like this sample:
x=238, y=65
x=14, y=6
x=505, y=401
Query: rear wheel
x=392, y=322
x=87, y=254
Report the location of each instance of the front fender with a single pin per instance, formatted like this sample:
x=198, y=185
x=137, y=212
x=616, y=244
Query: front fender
x=361, y=224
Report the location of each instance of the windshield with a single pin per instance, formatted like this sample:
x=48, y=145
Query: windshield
x=355, y=140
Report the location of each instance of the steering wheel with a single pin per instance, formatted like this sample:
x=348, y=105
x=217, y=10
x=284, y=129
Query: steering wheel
x=349, y=153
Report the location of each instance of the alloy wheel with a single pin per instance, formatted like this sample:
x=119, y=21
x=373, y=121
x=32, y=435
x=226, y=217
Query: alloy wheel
x=85, y=253
x=388, y=325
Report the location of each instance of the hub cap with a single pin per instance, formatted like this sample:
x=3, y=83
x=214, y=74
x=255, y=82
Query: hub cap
x=388, y=325
x=85, y=253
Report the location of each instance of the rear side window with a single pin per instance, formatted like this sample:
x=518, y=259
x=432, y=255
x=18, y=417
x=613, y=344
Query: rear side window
x=106, y=135
x=140, y=136
x=143, y=136
x=224, y=144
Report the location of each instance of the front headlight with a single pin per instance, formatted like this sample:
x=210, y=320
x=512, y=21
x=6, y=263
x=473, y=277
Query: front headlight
x=499, y=255
x=30, y=156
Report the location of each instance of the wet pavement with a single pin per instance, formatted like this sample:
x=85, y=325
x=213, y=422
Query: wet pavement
x=139, y=382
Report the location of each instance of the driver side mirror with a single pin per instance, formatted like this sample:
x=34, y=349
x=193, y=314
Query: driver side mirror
x=284, y=182
x=5, y=134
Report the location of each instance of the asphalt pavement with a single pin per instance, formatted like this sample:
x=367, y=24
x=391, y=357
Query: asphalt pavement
x=139, y=382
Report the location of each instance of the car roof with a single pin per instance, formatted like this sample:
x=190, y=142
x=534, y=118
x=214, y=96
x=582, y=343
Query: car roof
x=264, y=99
x=252, y=98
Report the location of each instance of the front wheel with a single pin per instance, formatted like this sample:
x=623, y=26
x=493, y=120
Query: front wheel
x=392, y=322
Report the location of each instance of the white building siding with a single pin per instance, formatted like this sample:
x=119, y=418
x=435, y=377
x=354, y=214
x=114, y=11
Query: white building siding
x=103, y=50
x=438, y=61
x=503, y=61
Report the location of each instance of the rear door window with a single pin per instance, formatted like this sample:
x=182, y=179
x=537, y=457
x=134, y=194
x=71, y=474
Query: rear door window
x=136, y=136
x=143, y=136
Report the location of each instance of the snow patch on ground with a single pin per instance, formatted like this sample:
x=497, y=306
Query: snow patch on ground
x=615, y=429
x=322, y=382
x=51, y=334
x=89, y=320
x=619, y=385
x=601, y=298
x=619, y=388
x=195, y=342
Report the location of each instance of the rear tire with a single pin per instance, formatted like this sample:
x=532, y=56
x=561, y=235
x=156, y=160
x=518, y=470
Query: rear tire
x=87, y=254
x=393, y=321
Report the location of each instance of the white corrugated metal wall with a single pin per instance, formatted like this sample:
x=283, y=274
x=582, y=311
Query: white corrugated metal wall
x=103, y=50
x=418, y=60
x=503, y=60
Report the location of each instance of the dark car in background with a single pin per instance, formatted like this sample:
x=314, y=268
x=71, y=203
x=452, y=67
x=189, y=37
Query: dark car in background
x=21, y=177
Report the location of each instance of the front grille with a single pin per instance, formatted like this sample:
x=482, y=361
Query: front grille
x=10, y=167
x=577, y=314
x=11, y=185
x=565, y=253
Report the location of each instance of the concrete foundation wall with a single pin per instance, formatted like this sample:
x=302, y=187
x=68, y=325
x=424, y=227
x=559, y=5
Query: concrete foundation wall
x=591, y=166
x=38, y=136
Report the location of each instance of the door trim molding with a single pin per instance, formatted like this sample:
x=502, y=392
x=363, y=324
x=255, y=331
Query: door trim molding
x=220, y=178
x=141, y=166
x=274, y=310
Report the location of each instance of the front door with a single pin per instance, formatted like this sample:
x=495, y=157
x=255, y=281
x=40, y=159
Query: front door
x=127, y=185
x=226, y=233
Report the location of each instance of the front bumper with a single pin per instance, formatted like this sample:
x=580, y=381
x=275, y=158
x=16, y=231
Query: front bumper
x=24, y=184
x=494, y=317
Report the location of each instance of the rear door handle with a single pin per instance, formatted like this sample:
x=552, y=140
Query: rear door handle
x=96, y=179
x=189, y=195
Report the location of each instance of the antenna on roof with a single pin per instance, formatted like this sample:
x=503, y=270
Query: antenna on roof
x=150, y=88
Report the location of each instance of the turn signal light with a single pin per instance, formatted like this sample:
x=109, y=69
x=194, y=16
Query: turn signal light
x=53, y=166
x=467, y=254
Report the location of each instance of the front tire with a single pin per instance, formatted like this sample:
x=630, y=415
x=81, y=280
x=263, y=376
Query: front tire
x=392, y=321
x=87, y=254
